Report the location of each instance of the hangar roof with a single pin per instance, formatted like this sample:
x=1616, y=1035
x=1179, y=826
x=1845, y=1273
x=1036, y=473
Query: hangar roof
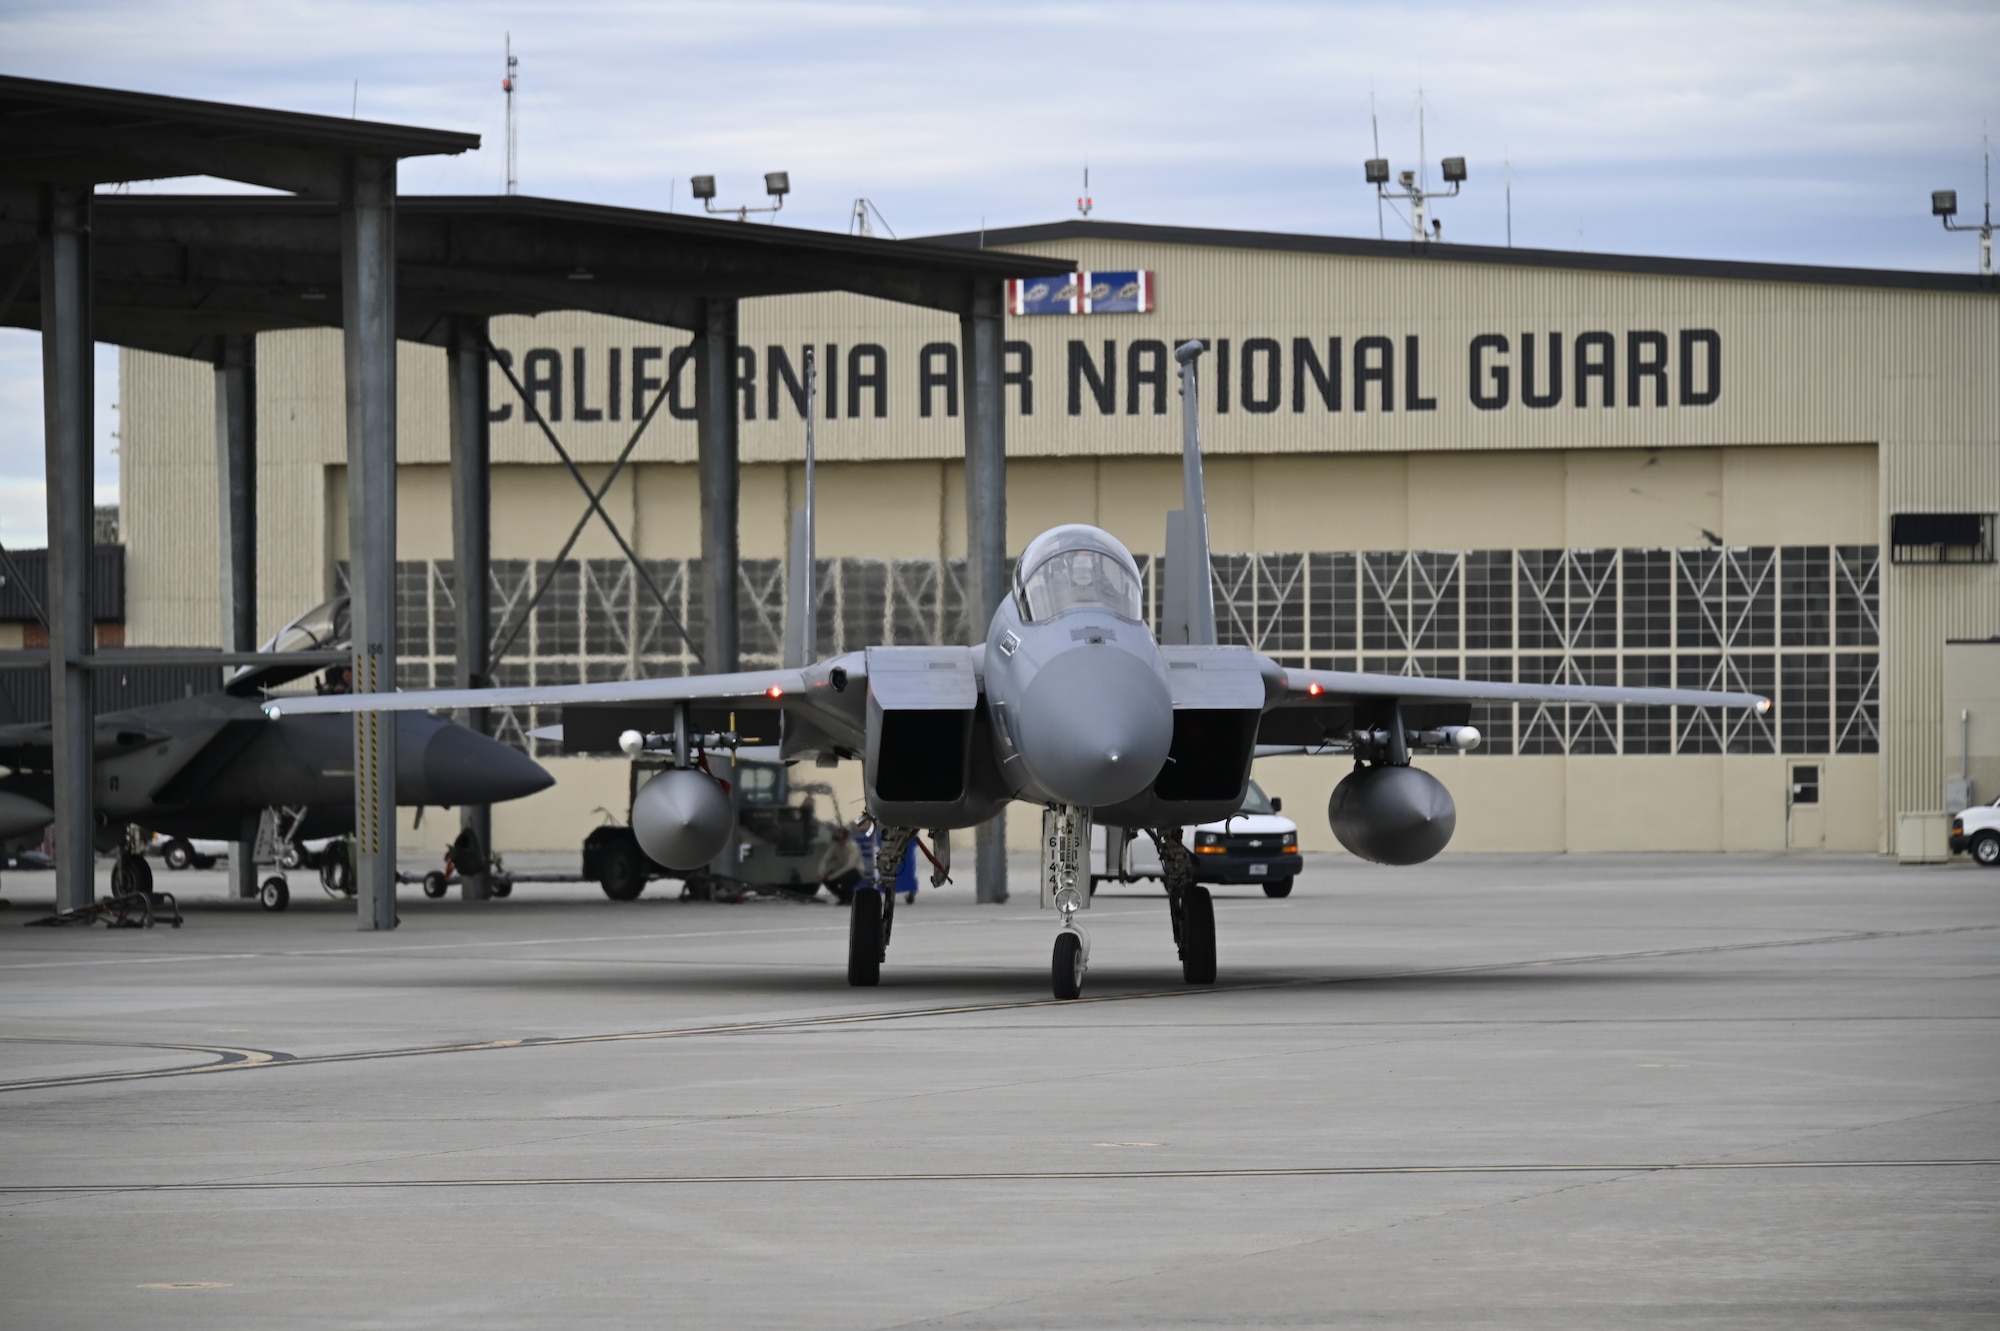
x=173, y=272
x=1076, y=228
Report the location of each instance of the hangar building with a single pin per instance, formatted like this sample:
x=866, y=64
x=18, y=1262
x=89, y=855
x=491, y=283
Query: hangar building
x=1440, y=460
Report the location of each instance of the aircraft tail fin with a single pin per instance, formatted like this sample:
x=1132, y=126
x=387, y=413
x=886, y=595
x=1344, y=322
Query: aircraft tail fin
x=802, y=583
x=802, y=598
x=1188, y=602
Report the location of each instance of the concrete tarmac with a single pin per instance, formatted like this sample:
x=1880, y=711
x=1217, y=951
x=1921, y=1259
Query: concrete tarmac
x=1491, y=1091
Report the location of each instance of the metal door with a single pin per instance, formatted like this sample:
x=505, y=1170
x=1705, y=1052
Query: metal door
x=1805, y=823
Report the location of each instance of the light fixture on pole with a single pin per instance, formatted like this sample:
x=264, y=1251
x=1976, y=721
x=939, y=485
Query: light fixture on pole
x=1376, y=171
x=777, y=184
x=1944, y=206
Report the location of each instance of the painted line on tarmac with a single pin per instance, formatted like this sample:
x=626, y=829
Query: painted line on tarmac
x=987, y=1176
x=264, y=1058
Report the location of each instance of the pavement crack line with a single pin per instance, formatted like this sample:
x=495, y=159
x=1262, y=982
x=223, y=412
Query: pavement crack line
x=1628, y=1169
x=272, y=1059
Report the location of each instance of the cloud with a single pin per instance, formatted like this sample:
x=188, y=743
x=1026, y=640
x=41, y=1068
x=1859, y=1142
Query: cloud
x=1780, y=131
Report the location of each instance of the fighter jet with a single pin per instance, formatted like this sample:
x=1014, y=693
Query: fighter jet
x=201, y=767
x=1071, y=704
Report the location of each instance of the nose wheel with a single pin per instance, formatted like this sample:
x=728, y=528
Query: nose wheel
x=1072, y=956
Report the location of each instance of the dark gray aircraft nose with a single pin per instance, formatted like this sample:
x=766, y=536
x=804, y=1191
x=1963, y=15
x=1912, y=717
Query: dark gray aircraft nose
x=461, y=766
x=1095, y=725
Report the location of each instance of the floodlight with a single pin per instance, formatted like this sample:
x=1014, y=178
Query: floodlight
x=704, y=186
x=1378, y=170
x=1454, y=170
x=778, y=183
x=1407, y=179
x=1944, y=202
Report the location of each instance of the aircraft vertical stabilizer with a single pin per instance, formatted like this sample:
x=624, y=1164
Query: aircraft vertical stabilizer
x=1187, y=613
x=802, y=593
x=799, y=598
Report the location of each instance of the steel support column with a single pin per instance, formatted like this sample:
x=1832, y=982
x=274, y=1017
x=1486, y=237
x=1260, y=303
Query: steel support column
x=236, y=534
x=368, y=283
x=68, y=407
x=468, y=379
x=716, y=416
x=983, y=330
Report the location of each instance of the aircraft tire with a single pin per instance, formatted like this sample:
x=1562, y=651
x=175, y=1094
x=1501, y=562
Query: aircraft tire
x=1278, y=887
x=178, y=854
x=864, y=938
x=291, y=857
x=275, y=894
x=1986, y=850
x=623, y=871
x=435, y=885
x=499, y=887
x=1197, y=936
x=1068, y=966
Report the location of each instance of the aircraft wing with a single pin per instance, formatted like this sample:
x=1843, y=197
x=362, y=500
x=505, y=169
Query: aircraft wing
x=110, y=737
x=747, y=690
x=1339, y=687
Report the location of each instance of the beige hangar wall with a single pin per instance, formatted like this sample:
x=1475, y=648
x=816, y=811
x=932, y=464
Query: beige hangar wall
x=1835, y=405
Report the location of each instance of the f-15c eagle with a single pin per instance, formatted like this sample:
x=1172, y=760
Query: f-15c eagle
x=1072, y=704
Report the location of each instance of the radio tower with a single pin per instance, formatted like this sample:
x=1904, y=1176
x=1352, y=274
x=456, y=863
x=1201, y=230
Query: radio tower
x=507, y=86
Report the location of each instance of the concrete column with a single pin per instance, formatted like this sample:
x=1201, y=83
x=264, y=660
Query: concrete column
x=467, y=377
x=716, y=417
x=236, y=534
x=368, y=283
x=983, y=332
x=68, y=414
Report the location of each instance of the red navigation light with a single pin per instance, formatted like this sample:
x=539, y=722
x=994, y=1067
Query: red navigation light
x=774, y=692
x=1314, y=690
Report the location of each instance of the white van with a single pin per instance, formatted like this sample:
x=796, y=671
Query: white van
x=1256, y=844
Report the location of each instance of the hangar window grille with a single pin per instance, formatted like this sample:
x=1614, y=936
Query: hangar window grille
x=1798, y=623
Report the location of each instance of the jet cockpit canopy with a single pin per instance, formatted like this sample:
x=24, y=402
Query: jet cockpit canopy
x=325, y=627
x=1076, y=565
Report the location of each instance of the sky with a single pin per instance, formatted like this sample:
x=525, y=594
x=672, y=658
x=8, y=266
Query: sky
x=1780, y=132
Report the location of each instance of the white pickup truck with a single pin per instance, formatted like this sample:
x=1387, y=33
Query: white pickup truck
x=1977, y=829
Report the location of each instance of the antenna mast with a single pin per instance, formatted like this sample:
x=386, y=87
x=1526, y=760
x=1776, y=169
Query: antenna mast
x=507, y=86
x=1084, y=204
x=1375, y=127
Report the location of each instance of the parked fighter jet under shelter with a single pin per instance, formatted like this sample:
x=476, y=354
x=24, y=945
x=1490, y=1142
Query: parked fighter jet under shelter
x=1071, y=704
x=207, y=765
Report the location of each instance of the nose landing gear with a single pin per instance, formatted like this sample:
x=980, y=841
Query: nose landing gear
x=1066, y=887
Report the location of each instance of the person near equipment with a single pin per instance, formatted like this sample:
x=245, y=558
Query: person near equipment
x=840, y=867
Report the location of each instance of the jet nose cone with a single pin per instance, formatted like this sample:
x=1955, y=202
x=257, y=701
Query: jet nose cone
x=1095, y=725
x=461, y=766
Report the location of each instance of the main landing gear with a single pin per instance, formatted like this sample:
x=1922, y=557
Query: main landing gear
x=1189, y=906
x=1066, y=886
x=873, y=911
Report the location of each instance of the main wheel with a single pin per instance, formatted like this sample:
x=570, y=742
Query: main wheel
x=336, y=875
x=275, y=894
x=1278, y=887
x=178, y=854
x=499, y=887
x=864, y=938
x=622, y=873
x=1986, y=849
x=1068, y=965
x=1197, y=936
x=291, y=857
x=435, y=885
